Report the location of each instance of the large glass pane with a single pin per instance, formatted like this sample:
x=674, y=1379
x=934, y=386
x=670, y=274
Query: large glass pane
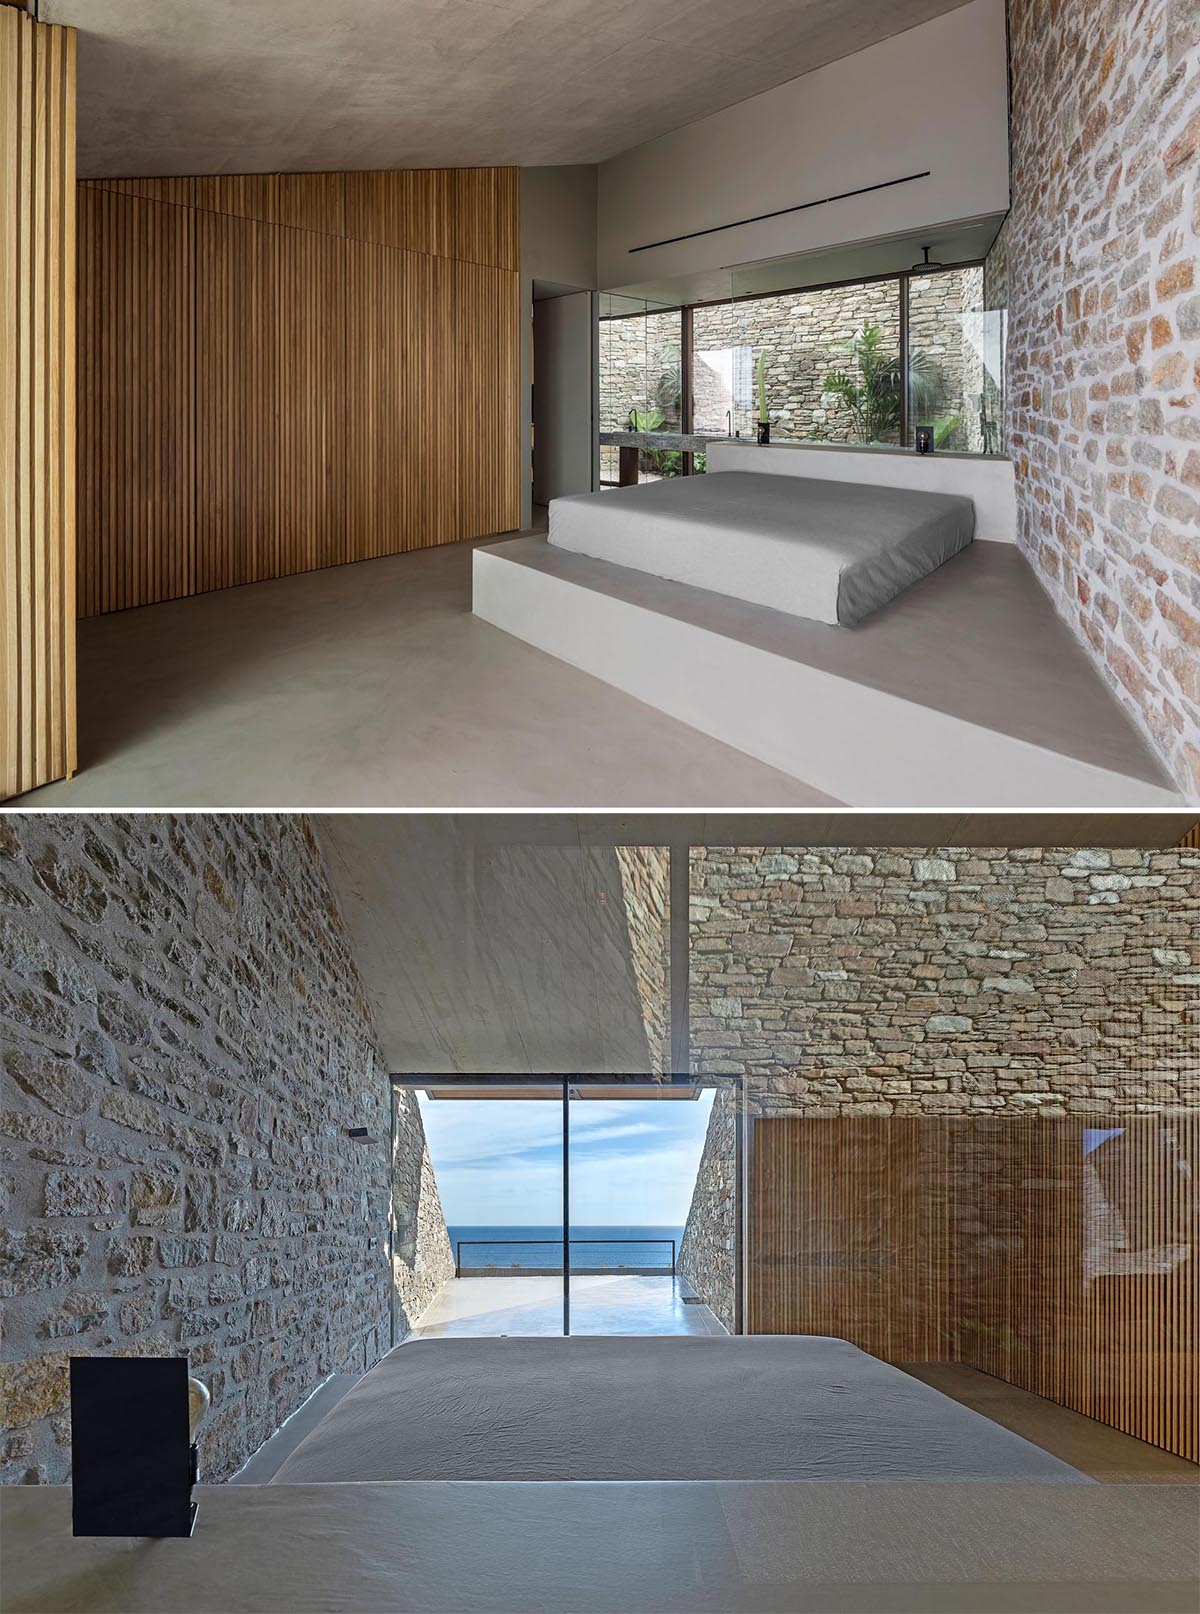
x=825, y=365
x=640, y=382
x=497, y=1166
x=639, y=1192
x=956, y=361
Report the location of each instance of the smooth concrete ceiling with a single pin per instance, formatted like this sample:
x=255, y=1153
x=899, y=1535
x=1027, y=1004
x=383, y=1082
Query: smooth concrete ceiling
x=243, y=86
x=480, y=956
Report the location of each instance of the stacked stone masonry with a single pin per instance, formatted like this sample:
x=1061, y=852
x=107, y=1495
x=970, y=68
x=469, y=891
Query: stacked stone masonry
x=900, y=981
x=185, y=1046
x=1104, y=340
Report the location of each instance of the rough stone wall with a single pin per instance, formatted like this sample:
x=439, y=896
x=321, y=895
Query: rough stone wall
x=1104, y=340
x=708, y=1254
x=185, y=1042
x=901, y=981
x=646, y=886
x=422, y=1258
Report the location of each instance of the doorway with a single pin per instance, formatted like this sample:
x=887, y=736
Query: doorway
x=585, y=1205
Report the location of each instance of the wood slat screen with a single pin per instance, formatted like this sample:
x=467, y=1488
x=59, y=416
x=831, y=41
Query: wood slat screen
x=1192, y=838
x=1058, y=1256
x=37, y=402
x=291, y=371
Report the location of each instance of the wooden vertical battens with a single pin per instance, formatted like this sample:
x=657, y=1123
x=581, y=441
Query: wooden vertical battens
x=37, y=402
x=348, y=383
x=1055, y=1255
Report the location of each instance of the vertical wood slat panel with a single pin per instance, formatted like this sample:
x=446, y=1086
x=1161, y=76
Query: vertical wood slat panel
x=136, y=380
x=1081, y=1290
x=37, y=402
x=337, y=400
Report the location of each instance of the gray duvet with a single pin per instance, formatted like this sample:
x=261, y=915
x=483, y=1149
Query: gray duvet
x=760, y=1408
x=831, y=551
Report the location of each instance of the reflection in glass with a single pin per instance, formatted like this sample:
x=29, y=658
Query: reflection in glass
x=641, y=381
x=956, y=361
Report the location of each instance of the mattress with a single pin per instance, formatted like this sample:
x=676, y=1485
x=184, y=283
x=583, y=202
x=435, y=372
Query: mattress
x=831, y=551
x=621, y=1408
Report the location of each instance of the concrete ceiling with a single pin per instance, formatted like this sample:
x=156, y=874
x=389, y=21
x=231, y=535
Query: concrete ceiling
x=243, y=86
x=482, y=956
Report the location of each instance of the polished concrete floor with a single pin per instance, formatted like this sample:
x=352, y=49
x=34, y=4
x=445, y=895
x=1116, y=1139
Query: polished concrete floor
x=600, y=1304
x=372, y=685
x=1093, y=1448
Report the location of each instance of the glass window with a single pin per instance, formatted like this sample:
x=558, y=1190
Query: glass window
x=825, y=364
x=956, y=361
x=641, y=385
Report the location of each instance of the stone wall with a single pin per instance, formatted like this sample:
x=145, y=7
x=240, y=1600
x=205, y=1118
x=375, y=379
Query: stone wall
x=646, y=886
x=1104, y=340
x=422, y=1257
x=185, y=1043
x=708, y=1253
x=899, y=981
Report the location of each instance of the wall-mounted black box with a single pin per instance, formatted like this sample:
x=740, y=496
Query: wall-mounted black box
x=131, y=1455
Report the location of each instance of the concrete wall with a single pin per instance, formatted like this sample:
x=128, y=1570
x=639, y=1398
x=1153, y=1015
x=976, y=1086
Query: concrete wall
x=564, y=428
x=935, y=97
x=558, y=245
x=1104, y=341
x=185, y=1042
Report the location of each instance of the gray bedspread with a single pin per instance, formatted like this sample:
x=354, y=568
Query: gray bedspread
x=761, y=1408
x=831, y=551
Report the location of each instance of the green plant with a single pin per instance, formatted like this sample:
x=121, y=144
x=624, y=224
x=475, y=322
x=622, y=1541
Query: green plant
x=871, y=392
x=761, y=381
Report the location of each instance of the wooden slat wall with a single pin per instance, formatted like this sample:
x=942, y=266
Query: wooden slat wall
x=136, y=338
x=1003, y=1245
x=37, y=402
x=329, y=361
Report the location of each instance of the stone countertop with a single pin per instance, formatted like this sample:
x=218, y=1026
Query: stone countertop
x=684, y=442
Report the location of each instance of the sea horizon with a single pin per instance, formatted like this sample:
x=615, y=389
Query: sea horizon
x=536, y=1245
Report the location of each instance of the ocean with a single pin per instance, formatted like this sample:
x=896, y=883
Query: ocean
x=592, y=1248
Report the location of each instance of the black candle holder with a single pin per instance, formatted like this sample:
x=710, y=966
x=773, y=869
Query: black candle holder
x=764, y=431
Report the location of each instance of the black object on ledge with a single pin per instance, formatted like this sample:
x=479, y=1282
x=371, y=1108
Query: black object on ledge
x=133, y=1463
x=923, y=439
x=764, y=431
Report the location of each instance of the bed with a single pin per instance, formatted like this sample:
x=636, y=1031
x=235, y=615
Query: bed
x=688, y=1408
x=830, y=551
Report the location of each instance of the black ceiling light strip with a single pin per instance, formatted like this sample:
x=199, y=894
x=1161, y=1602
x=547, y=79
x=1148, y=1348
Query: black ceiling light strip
x=779, y=212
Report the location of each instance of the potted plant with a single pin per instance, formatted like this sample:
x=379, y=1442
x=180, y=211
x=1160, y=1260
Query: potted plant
x=764, y=425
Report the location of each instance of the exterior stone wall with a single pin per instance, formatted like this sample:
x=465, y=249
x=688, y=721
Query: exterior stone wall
x=901, y=981
x=646, y=886
x=708, y=1254
x=1104, y=343
x=422, y=1257
x=185, y=1043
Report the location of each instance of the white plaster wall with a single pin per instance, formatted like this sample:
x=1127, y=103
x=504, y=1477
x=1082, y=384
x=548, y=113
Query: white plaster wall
x=934, y=97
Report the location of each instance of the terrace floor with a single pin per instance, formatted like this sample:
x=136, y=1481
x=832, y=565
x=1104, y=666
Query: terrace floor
x=600, y=1304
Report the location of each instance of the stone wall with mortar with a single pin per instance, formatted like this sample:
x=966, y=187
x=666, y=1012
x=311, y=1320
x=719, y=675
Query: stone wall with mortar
x=422, y=1257
x=185, y=1042
x=900, y=981
x=708, y=1253
x=646, y=886
x=1104, y=341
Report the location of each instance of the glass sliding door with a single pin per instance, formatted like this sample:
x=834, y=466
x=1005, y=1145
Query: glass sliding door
x=498, y=1164
x=647, y=1208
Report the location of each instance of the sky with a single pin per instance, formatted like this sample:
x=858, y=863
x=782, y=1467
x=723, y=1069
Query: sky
x=498, y=1162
